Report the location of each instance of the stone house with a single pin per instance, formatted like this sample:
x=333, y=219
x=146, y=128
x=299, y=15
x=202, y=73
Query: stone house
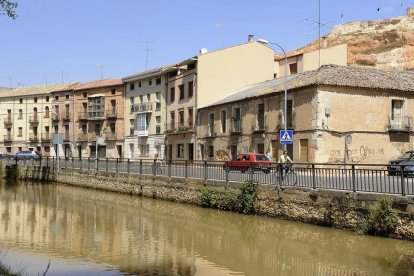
x=324, y=106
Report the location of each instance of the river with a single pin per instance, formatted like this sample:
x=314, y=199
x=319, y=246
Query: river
x=78, y=231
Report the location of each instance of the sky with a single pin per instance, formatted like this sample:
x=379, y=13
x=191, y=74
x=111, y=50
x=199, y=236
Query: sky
x=83, y=40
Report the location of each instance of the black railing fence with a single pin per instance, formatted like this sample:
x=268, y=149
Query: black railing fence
x=348, y=177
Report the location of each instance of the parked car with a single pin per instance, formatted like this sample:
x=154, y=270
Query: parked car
x=393, y=165
x=3, y=155
x=249, y=162
x=27, y=155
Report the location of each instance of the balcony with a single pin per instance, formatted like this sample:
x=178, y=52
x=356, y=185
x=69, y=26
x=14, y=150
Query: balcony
x=66, y=137
x=83, y=116
x=111, y=136
x=142, y=107
x=111, y=113
x=180, y=126
x=96, y=115
x=66, y=116
x=46, y=137
x=142, y=131
x=401, y=123
x=8, y=138
x=34, y=137
x=8, y=121
x=55, y=117
x=34, y=120
x=83, y=137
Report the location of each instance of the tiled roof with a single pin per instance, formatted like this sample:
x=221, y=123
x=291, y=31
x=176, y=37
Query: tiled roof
x=33, y=90
x=332, y=75
x=98, y=83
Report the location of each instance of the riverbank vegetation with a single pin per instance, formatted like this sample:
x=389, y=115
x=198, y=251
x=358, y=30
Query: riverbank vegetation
x=382, y=219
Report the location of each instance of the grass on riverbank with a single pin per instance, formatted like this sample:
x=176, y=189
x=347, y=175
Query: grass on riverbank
x=7, y=271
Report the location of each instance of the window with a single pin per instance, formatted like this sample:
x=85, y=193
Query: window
x=223, y=121
x=21, y=101
x=172, y=120
x=158, y=81
x=397, y=109
x=190, y=117
x=20, y=114
x=172, y=94
x=112, y=128
x=95, y=107
x=260, y=116
x=211, y=124
x=148, y=97
x=180, y=150
x=47, y=99
x=150, y=82
x=210, y=151
x=131, y=99
x=132, y=86
x=236, y=120
x=113, y=91
x=35, y=99
x=158, y=125
x=142, y=123
x=56, y=98
x=67, y=97
x=84, y=129
x=97, y=129
x=190, y=89
x=141, y=98
x=144, y=149
x=47, y=112
x=20, y=133
x=85, y=95
x=56, y=127
x=181, y=89
x=293, y=67
x=158, y=101
x=139, y=84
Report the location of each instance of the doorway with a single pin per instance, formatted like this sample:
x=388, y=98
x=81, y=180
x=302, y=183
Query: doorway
x=303, y=152
x=190, y=151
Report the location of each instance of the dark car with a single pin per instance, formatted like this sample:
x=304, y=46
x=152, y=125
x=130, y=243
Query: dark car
x=249, y=162
x=27, y=155
x=393, y=166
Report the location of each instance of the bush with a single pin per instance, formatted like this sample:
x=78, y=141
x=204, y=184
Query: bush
x=382, y=219
x=247, y=197
x=206, y=197
x=227, y=201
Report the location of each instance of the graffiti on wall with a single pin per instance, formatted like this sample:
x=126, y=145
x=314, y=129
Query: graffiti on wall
x=355, y=155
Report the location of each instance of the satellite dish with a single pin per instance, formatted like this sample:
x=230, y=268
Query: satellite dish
x=203, y=51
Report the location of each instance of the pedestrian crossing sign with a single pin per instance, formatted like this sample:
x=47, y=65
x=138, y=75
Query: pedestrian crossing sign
x=286, y=136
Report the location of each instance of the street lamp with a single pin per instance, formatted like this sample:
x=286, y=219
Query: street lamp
x=264, y=41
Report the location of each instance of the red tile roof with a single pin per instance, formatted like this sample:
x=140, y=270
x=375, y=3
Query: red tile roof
x=98, y=83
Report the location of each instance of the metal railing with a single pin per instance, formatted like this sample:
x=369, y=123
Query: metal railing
x=400, y=123
x=8, y=120
x=111, y=113
x=180, y=126
x=371, y=178
x=34, y=119
x=141, y=107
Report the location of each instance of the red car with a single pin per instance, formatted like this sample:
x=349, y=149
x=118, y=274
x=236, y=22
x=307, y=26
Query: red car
x=249, y=162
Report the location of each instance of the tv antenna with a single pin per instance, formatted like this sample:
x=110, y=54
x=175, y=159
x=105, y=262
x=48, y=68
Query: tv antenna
x=220, y=26
x=147, y=42
x=100, y=69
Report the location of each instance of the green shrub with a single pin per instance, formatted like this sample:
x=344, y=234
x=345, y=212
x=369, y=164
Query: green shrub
x=382, y=219
x=226, y=201
x=206, y=197
x=247, y=196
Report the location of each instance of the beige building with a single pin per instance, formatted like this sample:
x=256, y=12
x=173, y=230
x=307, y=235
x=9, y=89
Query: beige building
x=323, y=107
x=99, y=118
x=204, y=78
x=145, y=112
x=26, y=116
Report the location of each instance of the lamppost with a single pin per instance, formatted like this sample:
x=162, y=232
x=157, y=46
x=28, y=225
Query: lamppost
x=264, y=41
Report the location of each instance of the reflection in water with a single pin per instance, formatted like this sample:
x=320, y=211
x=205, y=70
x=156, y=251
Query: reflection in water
x=150, y=237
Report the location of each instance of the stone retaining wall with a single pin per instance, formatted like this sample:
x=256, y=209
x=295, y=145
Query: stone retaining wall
x=338, y=209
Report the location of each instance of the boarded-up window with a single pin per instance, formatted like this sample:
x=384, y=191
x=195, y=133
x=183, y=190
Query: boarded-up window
x=303, y=150
x=293, y=67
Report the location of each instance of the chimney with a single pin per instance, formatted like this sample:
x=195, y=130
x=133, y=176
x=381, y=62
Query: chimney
x=250, y=38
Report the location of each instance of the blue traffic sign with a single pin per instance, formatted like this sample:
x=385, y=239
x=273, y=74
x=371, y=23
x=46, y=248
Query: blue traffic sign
x=286, y=136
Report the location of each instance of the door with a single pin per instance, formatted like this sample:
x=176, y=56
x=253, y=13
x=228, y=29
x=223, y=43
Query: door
x=119, y=149
x=260, y=148
x=191, y=152
x=169, y=152
x=80, y=151
x=275, y=150
x=303, y=153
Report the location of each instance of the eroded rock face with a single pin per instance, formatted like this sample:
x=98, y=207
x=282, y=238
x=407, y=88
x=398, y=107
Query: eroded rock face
x=383, y=44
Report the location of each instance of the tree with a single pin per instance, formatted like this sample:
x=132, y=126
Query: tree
x=8, y=7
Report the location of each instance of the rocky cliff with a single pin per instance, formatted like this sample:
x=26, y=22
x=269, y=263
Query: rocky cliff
x=383, y=44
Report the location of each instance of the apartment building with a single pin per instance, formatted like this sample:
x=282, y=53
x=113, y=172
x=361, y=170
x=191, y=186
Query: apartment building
x=26, y=118
x=204, y=78
x=99, y=118
x=145, y=112
x=324, y=107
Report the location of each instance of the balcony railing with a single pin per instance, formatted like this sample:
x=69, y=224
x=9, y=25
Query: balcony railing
x=111, y=113
x=66, y=116
x=142, y=107
x=180, y=126
x=83, y=115
x=34, y=119
x=34, y=137
x=82, y=137
x=46, y=137
x=8, y=138
x=8, y=120
x=400, y=123
x=111, y=136
x=96, y=115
